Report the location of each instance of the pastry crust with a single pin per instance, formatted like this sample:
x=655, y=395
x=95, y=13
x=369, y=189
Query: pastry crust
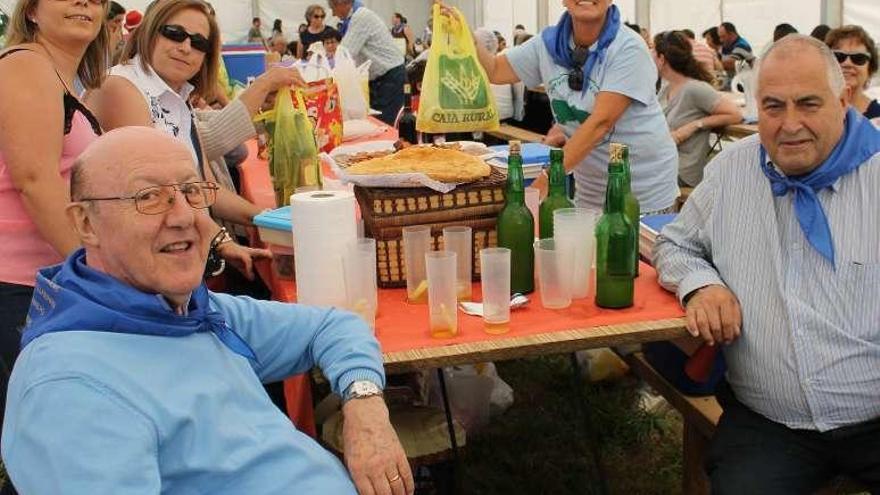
x=445, y=165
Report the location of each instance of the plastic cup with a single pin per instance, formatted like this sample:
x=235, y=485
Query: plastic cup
x=554, y=276
x=416, y=242
x=442, y=304
x=573, y=229
x=459, y=241
x=495, y=282
x=359, y=266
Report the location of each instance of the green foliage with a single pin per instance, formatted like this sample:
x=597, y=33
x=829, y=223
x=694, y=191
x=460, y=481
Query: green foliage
x=4, y=21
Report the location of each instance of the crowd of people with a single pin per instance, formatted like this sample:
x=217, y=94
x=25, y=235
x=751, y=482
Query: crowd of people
x=112, y=342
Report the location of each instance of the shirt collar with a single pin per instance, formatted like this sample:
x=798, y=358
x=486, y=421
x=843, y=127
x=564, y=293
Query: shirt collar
x=156, y=85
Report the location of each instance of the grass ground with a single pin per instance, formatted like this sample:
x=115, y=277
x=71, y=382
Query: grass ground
x=540, y=445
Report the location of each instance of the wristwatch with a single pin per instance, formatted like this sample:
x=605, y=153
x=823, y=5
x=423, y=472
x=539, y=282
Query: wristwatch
x=361, y=389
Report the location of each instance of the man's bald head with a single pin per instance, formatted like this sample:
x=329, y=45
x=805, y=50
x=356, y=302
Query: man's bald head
x=115, y=153
x=794, y=46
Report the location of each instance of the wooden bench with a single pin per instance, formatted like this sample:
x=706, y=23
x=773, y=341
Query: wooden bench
x=700, y=416
x=507, y=132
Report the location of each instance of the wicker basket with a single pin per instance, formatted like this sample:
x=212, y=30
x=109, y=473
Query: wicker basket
x=386, y=211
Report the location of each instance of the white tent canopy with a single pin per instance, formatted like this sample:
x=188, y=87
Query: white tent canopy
x=754, y=19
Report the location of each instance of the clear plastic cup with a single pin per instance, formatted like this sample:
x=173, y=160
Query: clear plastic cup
x=442, y=304
x=459, y=240
x=554, y=275
x=416, y=242
x=573, y=229
x=495, y=282
x=359, y=266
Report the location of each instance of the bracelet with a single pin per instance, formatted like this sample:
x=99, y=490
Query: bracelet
x=220, y=238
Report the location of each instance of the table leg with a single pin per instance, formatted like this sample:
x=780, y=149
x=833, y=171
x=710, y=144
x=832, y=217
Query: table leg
x=593, y=435
x=452, y=440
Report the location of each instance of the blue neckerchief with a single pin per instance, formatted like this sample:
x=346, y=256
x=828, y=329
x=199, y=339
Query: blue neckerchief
x=72, y=296
x=343, y=26
x=557, y=39
x=860, y=141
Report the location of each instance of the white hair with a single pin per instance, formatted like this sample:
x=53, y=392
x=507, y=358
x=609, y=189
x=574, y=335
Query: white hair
x=794, y=42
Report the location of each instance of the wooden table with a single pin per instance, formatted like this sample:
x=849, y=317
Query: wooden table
x=534, y=330
x=739, y=131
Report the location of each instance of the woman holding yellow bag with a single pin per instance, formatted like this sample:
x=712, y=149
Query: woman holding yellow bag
x=600, y=80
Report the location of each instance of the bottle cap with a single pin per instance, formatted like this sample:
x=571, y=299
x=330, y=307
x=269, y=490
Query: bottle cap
x=616, y=152
x=556, y=154
x=515, y=147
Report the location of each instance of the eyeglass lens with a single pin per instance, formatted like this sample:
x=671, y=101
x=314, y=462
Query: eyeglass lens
x=158, y=199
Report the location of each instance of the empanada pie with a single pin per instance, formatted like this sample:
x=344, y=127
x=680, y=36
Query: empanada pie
x=444, y=165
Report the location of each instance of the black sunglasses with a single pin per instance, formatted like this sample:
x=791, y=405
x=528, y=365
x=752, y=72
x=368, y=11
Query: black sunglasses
x=319, y=16
x=177, y=34
x=857, y=58
x=576, y=76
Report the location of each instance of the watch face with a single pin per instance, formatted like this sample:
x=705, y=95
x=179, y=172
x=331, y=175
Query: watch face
x=363, y=388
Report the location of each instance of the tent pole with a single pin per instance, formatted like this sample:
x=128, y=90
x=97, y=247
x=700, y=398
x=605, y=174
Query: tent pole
x=832, y=12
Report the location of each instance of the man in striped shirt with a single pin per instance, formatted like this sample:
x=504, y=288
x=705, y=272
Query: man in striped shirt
x=776, y=255
x=367, y=38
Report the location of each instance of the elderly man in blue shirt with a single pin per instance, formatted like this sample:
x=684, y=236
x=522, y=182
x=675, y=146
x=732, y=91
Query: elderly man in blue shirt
x=366, y=37
x=135, y=379
x=776, y=256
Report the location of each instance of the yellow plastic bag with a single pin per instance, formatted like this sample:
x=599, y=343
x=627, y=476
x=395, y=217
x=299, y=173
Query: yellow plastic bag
x=293, y=152
x=456, y=96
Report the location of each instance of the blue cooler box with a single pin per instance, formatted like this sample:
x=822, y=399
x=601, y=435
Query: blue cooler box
x=243, y=61
x=275, y=227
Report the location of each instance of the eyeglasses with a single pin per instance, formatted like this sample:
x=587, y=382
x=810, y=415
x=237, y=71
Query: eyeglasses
x=177, y=34
x=858, y=58
x=319, y=16
x=576, y=76
x=154, y=200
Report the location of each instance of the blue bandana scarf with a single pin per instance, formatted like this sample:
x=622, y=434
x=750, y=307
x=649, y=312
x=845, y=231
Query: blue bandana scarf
x=860, y=141
x=72, y=296
x=343, y=26
x=558, y=38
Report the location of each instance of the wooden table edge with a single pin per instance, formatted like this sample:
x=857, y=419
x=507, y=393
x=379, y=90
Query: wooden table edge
x=557, y=342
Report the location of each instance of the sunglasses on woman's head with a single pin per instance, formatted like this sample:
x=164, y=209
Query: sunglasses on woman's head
x=177, y=34
x=576, y=76
x=858, y=58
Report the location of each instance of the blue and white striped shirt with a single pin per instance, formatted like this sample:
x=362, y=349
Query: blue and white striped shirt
x=809, y=354
x=368, y=38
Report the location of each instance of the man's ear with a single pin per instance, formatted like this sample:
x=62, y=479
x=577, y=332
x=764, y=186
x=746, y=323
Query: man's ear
x=79, y=217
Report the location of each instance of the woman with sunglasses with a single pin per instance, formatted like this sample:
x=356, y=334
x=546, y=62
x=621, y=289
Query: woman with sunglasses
x=691, y=104
x=174, y=56
x=857, y=54
x=600, y=79
x=43, y=128
x=314, y=32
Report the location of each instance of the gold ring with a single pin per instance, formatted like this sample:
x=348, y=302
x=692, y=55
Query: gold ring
x=395, y=478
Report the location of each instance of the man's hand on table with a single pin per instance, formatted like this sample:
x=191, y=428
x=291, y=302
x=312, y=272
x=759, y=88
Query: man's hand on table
x=713, y=313
x=242, y=257
x=373, y=453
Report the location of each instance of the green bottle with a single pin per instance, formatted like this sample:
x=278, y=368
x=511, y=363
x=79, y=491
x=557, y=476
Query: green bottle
x=516, y=226
x=631, y=203
x=556, y=196
x=615, y=247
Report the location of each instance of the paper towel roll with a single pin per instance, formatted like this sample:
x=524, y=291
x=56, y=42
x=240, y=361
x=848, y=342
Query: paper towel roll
x=323, y=228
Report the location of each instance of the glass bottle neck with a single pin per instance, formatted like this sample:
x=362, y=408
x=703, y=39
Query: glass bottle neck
x=614, y=194
x=515, y=188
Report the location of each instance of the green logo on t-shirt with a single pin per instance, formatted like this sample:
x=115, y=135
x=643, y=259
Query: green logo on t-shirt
x=566, y=113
